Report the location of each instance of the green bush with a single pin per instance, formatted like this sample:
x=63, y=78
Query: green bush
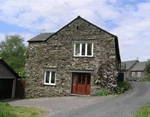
x=105, y=92
x=122, y=86
x=146, y=79
x=22, y=72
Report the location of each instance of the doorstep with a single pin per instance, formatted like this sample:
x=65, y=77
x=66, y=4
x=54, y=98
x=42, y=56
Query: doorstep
x=80, y=95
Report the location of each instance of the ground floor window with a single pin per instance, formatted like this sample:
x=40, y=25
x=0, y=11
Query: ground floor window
x=139, y=74
x=49, y=77
x=133, y=74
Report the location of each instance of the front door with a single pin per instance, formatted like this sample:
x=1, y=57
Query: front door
x=81, y=83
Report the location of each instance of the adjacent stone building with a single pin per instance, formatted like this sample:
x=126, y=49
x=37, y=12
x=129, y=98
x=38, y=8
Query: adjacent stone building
x=69, y=61
x=134, y=69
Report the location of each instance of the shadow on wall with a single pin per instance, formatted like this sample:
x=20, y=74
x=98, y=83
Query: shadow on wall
x=20, y=89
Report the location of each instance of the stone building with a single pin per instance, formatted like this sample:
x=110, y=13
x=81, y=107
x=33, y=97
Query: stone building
x=68, y=61
x=134, y=69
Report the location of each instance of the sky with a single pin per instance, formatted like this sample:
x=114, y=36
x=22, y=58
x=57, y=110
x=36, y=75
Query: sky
x=128, y=19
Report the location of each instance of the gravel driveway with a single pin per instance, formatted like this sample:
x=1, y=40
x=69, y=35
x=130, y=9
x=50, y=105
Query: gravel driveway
x=124, y=105
x=56, y=105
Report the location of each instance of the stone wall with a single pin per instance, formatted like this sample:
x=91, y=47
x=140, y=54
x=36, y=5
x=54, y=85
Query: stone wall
x=57, y=53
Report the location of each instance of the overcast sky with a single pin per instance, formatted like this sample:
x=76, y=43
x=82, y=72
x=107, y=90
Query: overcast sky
x=128, y=19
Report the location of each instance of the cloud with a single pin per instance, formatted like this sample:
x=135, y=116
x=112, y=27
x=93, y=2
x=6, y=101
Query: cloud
x=129, y=20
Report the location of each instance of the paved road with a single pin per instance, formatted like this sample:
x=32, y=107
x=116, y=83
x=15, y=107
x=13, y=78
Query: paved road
x=56, y=105
x=124, y=105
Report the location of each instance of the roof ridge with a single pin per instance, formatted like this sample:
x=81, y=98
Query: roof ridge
x=129, y=60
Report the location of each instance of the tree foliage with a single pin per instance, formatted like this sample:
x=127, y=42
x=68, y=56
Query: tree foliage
x=12, y=51
x=147, y=68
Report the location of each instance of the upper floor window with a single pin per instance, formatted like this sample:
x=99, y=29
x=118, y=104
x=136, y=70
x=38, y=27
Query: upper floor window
x=49, y=77
x=83, y=49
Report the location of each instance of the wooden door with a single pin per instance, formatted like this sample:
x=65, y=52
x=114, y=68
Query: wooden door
x=88, y=86
x=74, y=83
x=81, y=84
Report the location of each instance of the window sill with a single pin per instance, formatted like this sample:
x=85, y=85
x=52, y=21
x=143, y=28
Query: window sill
x=84, y=56
x=49, y=84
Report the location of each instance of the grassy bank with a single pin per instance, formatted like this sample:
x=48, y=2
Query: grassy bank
x=144, y=111
x=7, y=110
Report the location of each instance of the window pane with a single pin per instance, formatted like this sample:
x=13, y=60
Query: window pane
x=47, y=76
x=139, y=74
x=83, y=49
x=79, y=79
x=133, y=74
x=89, y=49
x=77, y=52
x=74, y=79
x=83, y=79
x=88, y=79
x=53, y=77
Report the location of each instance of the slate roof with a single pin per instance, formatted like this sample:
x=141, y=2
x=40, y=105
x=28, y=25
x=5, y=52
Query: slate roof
x=140, y=66
x=40, y=37
x=9, y=68
x=128, y=64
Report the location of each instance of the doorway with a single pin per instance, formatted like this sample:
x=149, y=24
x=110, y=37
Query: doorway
x=81, y=83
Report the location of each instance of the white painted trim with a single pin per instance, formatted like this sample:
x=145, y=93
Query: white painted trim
x=50, y=75
x=80, y=54
x=13, y=88
x=80, y=49
x=92, y=48
x=74, y=49
x=86, y=49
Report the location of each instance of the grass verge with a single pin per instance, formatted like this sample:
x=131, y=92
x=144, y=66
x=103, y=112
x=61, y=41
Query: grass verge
x=7, y=110
x=144, y=111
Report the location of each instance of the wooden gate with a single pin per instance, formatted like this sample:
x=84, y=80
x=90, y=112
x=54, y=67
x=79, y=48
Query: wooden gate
x=81, y=83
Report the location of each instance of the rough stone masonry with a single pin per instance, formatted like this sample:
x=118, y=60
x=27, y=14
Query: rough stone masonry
x=57, y=52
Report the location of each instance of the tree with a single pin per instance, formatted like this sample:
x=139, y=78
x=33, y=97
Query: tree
x=147, y=68
x=12, y=51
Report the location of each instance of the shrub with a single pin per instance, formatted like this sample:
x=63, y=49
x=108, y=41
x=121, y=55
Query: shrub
x=22, y=72
x=105, y=92
x=146, y=79
x=122, y=86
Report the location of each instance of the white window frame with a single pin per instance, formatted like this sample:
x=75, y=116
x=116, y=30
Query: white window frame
x=50, y=75
x=80, y=54
x=133, y=74
x=139, y=74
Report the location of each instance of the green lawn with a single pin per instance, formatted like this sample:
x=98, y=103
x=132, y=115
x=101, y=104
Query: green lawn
x=144, y=111
x=13, y=111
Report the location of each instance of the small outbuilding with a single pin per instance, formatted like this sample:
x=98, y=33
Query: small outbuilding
x=8, y=79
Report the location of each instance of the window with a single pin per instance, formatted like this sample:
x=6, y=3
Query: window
x=83, y=49
x=133, y=74
x=139, y=74
x=49, y=77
